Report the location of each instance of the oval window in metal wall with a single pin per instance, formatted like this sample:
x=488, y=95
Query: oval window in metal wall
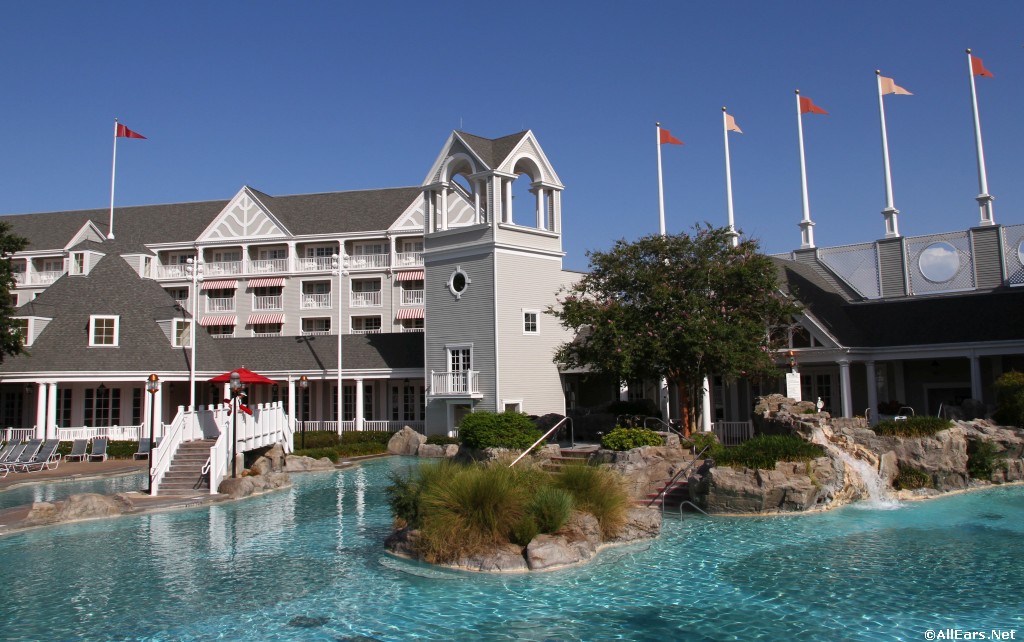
x=939, y=262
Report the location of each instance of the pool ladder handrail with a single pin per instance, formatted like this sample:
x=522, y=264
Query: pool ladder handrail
x=667, y=424
x=680, y=473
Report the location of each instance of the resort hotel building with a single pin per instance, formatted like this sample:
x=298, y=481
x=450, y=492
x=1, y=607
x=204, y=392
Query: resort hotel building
x=413, y=306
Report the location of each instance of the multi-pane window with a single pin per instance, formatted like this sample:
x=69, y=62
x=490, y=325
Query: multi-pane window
x=64, y=407
x=366, y=325
x=220, y=331
x=136, y=406
x=461, y=359
x=21, y=326
x=182, y=333
x=530, y=322
x=412, y=325
x=102, y=406
x=266, y=329
x=409, y=402
x=78, y=262
x=103, y=330
x=319, y=325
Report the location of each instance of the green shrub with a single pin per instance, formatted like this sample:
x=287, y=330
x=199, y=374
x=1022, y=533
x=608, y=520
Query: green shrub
x=550, y=508
x=1010, y=399
x=525, y=530
x=764, y=451
x=122, y=449
x=598, y=491
x=629, y=438
x=318, y=453
x=442, y=440
x=921, y=426
x=507, y=429
x=911, y=479
x=983, y=458
x=366, y=437
x=316, y=439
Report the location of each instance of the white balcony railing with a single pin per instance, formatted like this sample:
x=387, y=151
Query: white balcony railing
x=412, y=297
x=267, y=334
x=365, y=299
x=174, y=271
x=368, y=261
x=316, y=333
x=222, y=336
x=315, y=264
x=268, y=302
x=405, y=329
x=462, y=383
x=369, y=331
x=45, y=278
x=220, y=268
x=408, y=259
x=316, y=301
x=265, y=266
x=185, y=304
x=220, y=304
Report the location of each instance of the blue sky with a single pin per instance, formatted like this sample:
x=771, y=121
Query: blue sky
x=328, y=96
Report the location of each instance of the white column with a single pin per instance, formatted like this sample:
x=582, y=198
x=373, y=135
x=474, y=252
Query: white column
x=477, y=186
x=40, y=411
x=975, y=377
x=844, y=385
x=158, y=411
x=147, y=410
x=624, y=391
x=291, y=403
x=292, y=263
x=872, y=381
x=443, y=206
x=705, y=406
x=51, y=411
x=359, y=403
x=245, y=258
x=508, y=201
x=538, y=194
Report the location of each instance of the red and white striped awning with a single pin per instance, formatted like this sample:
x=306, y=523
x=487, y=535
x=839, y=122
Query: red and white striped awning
x=224, y=284
x=218, y=319
x=410, y=313
x=267, y=282
x=264, y=319
x=416, y=275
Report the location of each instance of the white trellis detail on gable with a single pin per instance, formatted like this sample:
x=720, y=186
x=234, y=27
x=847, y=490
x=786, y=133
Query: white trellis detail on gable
x=244, y=217
x=411, y=218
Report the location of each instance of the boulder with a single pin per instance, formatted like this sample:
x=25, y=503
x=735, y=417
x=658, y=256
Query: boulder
x=406, y=442
x=789, y=487
x=553, y=551
x=643, y=468
x=41, y=513
x=402, y=542
x=236, y=487
x=505, y=559
x=76, y=508
x=430, y=450
x=641, y=523
x=942, y=455
x=302, y=464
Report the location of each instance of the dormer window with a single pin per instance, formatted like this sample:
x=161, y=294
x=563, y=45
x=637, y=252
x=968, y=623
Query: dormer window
x=78, y=263
x=182, y=333
x=103, y=331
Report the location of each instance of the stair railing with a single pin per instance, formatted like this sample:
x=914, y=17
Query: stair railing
x=163, y=453
x=543, y=437
x=680, y=473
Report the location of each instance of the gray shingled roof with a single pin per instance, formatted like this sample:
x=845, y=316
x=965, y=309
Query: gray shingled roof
x=359, y=352
x=492, y=151
x=340, y=212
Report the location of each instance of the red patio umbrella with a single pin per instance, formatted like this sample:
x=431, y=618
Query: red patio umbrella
x=247, y=376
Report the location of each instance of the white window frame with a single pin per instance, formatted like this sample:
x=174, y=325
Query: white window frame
x=77, y=263
x=29, y=327
x=314, y=321
x=517, y=403
x=93, y=318
x=363, y=319
x=269, y=254
x=526, y=323
x=177, y=330
x=320, y=251
x=451, y=347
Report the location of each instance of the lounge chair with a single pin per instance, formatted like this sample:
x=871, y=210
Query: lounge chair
x=26, y=455
x=99, y=449
x=144, y=448
x=7, y=450
x=78, y=451
x=47, y=458
x=13, y=455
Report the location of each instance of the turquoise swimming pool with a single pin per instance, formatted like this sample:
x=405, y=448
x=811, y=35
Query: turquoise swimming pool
x=307, y=564
x=52, y=491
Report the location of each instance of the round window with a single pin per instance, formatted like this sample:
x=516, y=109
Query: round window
x=939, y=262
x=458, y=282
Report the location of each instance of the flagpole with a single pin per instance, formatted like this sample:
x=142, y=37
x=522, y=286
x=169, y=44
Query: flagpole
x=113, y=173
x=890, y=213
x=661, y=189
x=733, y=236
x=984, y=198
x=806, y=225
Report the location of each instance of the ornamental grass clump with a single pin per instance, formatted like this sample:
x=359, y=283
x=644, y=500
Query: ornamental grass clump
x=922, y=426
x=550, y=508
x=598, y=491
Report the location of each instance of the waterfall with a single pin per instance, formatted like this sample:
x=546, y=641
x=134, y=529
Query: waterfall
x=879, y=495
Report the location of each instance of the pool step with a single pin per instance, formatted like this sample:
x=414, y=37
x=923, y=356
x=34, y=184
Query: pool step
x=185, y=476
x=668, y=496
x=568, y=457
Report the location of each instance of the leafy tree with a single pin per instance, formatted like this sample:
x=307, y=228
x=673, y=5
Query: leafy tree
x=11, y=340
x=681, y=306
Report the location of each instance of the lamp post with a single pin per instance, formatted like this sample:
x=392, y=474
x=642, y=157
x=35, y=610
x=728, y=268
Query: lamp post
x=153, y=387
x=194, y=269
x=338, y=268
x=303, y=384
x=235, y=382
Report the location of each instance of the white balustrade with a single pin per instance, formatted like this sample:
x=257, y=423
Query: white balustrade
x=733, y=433
x=369, y=331
x=316, y=301
x=408, y=259
x=222, y=268
x=217, y=304
x=268, y=302
x=464, y=382
x=368, y=261
x=412, y=297
x=268, y=266
x=365, y=299
x=315, y=264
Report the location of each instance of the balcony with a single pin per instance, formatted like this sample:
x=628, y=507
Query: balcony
x=268, y=302
x=222, y=268
x=315, y=264
x=405, y=329
x=268, y=266
x=465, y=383
x=409, y=259
x=267, y=334
x=316, y=333
x=412, y=297
x=174, y=271
x=220, y=304
x=365, y=299
x=316, y=301
x=368, y=261
x=367, y=331
x=38, y=278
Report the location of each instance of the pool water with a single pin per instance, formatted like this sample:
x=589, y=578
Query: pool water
x=307, y=564
x=52, y=491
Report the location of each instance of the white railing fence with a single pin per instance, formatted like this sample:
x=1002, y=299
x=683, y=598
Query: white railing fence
x=369, y=425
x=113, y=433
x=316, y=301
x=17, y=434
x=733, y=433
x=455, y=383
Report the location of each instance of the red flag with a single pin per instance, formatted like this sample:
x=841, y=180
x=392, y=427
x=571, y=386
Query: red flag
x=124, y=132
x=808, y=107
x=979, y=68
x=668, y=138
